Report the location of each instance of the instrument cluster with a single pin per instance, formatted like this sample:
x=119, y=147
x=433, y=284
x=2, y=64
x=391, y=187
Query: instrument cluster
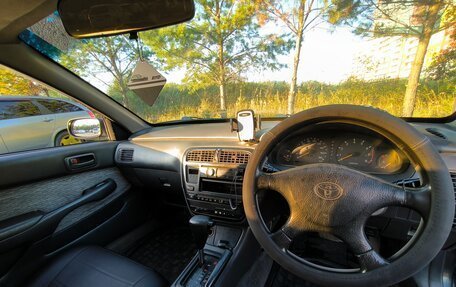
x=367, y=153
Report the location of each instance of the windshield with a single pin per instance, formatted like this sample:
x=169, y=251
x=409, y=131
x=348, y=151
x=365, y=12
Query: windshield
x=276, y=58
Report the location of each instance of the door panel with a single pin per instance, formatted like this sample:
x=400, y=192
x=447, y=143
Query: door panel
x=41, y=164
x=45, y=207
x=34, y=225
x=49, y=195
x=122, y=186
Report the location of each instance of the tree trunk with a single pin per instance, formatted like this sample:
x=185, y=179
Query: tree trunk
x=124, y=91
x=222, y=82
x=221, y=60
x=417, y=65
x=222, y=97
x=116, y=71
x=294, y=75
x=46, y=91
x=297, y=55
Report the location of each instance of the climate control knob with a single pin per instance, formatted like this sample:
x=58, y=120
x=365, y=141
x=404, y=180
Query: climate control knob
x=211, y=172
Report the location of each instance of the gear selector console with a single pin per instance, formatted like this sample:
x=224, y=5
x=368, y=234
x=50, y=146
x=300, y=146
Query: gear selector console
x=205, y=267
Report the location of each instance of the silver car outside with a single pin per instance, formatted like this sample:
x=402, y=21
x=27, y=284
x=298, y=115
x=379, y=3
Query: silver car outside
x=28, y=123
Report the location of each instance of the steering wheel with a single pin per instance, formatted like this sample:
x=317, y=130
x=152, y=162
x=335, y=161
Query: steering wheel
x=335, y=199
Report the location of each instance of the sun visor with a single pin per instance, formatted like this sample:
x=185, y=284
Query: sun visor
x=146, y=82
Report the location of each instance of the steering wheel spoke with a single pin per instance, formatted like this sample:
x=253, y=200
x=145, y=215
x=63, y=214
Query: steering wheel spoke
x=284, y=236
x=264, y=180
x=371, y=260
x=418, y=199
x=353, y=235
x=281, y=239
x=274, y=181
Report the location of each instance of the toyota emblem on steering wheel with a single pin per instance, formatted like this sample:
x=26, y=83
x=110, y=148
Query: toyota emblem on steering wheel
x=328, y=190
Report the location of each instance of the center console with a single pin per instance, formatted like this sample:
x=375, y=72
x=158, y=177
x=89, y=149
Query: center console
x=212, y=179
x=215, y=245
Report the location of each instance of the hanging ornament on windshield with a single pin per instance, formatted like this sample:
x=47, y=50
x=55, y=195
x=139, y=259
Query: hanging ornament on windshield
x=145, y=81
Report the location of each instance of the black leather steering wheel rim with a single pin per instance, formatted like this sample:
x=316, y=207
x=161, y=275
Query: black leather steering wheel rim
x=417, y=146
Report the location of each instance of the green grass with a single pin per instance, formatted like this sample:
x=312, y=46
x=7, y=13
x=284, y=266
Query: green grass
x=269, y=99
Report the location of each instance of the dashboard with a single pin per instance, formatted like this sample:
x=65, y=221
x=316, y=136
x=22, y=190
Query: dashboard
x=349, y=146
x=157, y=158
x=159, y=161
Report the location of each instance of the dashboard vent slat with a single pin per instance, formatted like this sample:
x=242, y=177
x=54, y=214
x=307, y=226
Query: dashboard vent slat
x=436, y=132
x=233, y=156
x=453, y=178
x=201, y=155
x=126, y=155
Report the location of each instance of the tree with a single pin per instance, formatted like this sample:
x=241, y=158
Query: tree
x=443, y=65
x=13, y=84
x=219, y=45
x=406, y=18
x=298, y=16
x=115, y=56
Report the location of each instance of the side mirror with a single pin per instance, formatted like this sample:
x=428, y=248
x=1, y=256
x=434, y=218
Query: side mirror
x=84, y=128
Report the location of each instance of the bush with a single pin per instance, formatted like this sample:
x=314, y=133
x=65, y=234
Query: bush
x=269, y=99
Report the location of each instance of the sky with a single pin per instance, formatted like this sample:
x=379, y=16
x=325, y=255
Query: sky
x=325, y=56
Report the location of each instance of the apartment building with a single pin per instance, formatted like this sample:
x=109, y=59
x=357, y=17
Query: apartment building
x=392, y=56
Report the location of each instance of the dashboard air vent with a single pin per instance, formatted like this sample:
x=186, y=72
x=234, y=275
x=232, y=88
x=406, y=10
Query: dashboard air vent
x=453, y=178
x=436, y=132
x=201, y=155
x=126, y=155
x=233, y=156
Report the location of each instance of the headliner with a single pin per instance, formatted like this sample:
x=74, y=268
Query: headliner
x=16, y=16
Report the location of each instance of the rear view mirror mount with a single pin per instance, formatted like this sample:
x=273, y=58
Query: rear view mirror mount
x=98, y=18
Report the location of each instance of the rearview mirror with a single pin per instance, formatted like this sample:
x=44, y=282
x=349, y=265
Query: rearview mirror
x=95, y=18
x=84, y=128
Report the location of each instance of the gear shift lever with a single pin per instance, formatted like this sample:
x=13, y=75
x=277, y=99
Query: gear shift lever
x=200, y=226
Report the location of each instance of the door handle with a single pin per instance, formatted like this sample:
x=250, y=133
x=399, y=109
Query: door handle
x=48, y=120
x=81, y=161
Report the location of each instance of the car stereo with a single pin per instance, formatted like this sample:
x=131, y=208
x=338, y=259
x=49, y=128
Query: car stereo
x=212, y=181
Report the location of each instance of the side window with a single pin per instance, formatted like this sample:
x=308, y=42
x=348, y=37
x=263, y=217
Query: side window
x=34, y=116
x=13, y=109
x=55, y=106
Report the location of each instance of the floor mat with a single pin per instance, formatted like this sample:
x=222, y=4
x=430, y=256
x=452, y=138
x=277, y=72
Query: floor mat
x=280, y=277
x=257, y=275
x=283, y=278
x=166, y=251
